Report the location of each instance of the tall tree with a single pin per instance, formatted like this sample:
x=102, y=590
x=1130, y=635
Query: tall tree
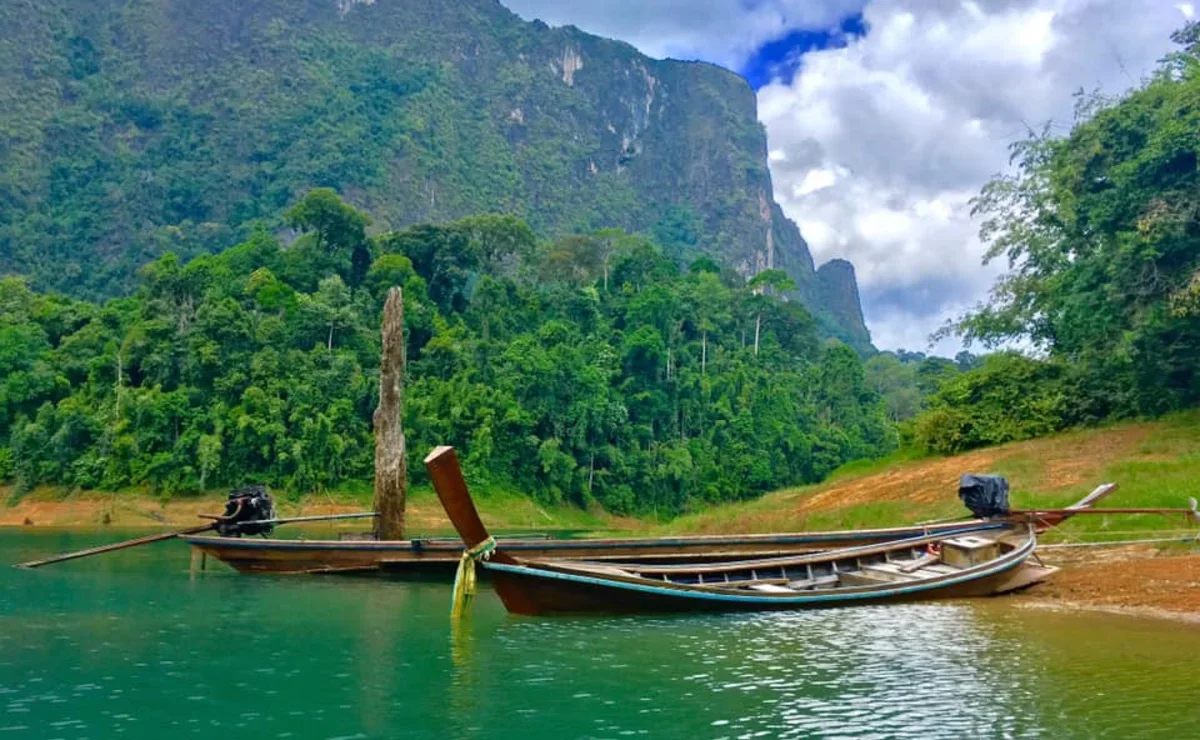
x=1099, y=229
x=768, y=281
x=339, y=229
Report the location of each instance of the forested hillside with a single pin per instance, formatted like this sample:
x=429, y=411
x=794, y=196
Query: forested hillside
x=132, y=129
x=586, y=369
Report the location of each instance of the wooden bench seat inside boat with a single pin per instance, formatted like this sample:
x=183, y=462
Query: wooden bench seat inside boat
x=940, y=569
x=865, y=578
x=892, y=571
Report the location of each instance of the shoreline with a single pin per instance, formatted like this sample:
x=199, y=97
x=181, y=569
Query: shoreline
x=1133, y=612
x=1131, y=580
x=47, y=508
x=130, y=511
x=1140, y=580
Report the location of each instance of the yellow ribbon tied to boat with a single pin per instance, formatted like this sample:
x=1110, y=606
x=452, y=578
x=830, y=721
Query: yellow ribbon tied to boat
x=464, y=579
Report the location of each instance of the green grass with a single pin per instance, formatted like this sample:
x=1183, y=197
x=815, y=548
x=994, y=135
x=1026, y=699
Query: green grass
x=1155, y=464
x=1162, y=471
x=861, y=468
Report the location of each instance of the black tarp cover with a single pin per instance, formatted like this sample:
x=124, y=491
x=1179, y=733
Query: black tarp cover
x=246, y=507
x=984, y=495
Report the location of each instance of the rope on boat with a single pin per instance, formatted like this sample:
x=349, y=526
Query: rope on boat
x=1117, y=543
x=464, y=578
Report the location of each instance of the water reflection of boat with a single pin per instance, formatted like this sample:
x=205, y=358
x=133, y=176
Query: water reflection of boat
x=925, y=566
x=252, y=555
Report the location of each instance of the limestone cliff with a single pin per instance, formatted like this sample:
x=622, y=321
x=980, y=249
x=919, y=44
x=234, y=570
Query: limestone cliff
x=837, y=296
x=133, y=128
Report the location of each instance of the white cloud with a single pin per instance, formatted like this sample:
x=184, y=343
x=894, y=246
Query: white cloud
x=918, y=113
x=726, y=32
x=819, y=179
x=876, y=148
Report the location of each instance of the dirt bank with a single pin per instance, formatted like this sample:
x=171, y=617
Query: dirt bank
x=129, y=510
x=1045, y=472
x=1138, y=579
x=1064, y=462
x=49, y=508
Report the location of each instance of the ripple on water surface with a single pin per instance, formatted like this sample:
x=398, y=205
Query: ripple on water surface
x=979, y=669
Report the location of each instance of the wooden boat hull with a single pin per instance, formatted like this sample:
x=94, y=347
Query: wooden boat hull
x=250, y=555
x=533, y=590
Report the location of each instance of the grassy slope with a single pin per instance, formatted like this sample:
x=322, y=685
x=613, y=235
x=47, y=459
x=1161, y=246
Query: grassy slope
x=1155, y=464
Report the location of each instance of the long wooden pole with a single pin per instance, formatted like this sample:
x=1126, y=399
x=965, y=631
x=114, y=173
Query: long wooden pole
x=391, y=474
x=194, y=530
x=1125, y=510
x=116, y=546
x=317, y=518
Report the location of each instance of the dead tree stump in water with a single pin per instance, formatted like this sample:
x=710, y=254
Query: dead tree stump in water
x=391, y=470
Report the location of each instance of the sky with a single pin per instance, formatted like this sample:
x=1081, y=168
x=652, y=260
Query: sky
x=885, y=117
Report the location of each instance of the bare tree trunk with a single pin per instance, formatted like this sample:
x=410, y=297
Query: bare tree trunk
x=391, y=471
x=703, y=352
x=120, y=381
x=329, y=344
x=757, y=326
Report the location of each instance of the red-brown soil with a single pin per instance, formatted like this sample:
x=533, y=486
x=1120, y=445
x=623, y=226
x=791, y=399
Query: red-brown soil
x=1136, y=579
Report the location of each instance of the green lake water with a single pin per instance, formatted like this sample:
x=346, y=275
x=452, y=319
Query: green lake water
x=130, y=645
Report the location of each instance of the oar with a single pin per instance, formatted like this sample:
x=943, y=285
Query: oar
x=118, y=546
x=171, y=535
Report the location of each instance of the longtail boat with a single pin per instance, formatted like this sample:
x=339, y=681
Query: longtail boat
x=251, y=555
x=442, y=554
x=926, y=566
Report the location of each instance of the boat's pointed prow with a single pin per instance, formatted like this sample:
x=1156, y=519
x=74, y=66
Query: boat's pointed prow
x=451, y=488
x=1098, y=493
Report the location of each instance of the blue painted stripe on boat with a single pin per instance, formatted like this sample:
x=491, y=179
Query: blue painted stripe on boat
x=1015, y=558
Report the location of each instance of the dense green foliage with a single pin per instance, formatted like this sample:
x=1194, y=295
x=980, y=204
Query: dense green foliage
x=589, y=369
x=134, y=129
x=906, y=380
x=1009, y=397
x=1101, y=230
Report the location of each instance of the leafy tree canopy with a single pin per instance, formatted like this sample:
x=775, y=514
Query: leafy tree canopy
x=586, y=369
x=1101, y=233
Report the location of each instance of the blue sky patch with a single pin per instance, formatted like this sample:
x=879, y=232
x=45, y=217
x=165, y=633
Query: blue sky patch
x=781, y=58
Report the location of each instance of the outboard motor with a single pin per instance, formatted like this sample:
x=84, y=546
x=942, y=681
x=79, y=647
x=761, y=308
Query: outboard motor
x=245, y=509
x=986, y=496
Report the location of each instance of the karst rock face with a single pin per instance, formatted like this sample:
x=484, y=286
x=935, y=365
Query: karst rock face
x=837, y=295
x=131, y=129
